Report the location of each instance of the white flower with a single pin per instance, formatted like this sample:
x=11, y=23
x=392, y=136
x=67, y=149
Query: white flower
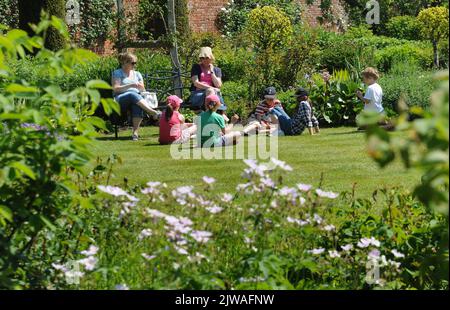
x=318, y=219
x=112, y=190
x=248, y=240
x=214, y=209
x=334, y=254
x=155, y=213
x=145, y=233
x=181, y=250
x=281, y=164
x=329, y=228
x=92, y=250
x=148, y=257
x=394, y=263
x=201, y=236
x=302, y=201
x=397, y=254
x=208, y=180
x=317, y=251
x=304, y=187
x=72, y=275
x=324, y=194
x=227, y=197
x=89, y=262
x=122, y=287
x=347, y=247
x=60, y=267
x=366, y=242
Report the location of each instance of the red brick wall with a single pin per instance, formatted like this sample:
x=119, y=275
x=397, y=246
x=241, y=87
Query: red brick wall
x=203, y=15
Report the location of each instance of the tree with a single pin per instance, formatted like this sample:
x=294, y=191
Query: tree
x=30, y=13
x=434, y=27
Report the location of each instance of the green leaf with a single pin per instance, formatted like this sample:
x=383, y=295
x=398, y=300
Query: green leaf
x=47, y=222
x=18, y=88
x=5, y=213
x=98, y=84
x=24, y=168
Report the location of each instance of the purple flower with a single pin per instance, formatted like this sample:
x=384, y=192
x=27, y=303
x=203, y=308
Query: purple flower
x=227, y=197
x=201, y=236
x=214, y=209
x=145, y=233
x=304, y=187
x=208, y=180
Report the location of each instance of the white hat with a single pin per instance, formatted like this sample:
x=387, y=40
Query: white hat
x=206, y=52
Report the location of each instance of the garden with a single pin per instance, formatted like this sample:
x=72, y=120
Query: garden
x=347, y=209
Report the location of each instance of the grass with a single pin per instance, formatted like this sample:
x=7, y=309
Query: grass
x=337, y=158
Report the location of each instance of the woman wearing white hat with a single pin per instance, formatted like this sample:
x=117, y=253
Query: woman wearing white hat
x=205, y=75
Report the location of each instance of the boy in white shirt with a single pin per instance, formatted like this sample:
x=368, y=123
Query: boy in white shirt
x=373, y=98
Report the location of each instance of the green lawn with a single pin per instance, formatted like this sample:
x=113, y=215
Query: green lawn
x=338, y=153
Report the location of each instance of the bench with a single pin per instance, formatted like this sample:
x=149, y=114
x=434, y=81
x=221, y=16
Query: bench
x=152, y=82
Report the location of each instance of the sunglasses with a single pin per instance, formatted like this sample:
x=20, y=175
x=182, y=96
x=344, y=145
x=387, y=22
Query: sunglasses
x=133, y=63
x=202, y=58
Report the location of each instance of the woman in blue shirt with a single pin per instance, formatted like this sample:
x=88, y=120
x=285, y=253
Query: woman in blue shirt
x=127, y=85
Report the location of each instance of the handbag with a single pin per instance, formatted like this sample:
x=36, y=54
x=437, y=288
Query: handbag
x=151, y=99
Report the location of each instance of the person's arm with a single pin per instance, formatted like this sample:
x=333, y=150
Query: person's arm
x=363, y=98
x=229, y=128
x=140, y=83
x=117, y=88
x=217, y=80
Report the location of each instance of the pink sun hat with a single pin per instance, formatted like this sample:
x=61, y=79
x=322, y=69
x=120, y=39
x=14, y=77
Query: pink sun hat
x=174, y=101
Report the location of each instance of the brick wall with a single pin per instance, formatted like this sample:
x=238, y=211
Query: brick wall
x=203, y=15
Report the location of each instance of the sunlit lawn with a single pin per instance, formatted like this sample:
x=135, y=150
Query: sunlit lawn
x=338, y=153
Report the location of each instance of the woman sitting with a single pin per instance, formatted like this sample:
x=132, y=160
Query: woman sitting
x=127, y=85
x=205, y=75
x=172, y=128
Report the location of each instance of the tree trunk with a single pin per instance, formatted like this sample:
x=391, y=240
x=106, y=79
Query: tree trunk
x=29, y=13
x=436, y=53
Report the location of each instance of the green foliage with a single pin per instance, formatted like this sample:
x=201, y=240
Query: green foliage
x=45, y=134
x=334, y=99
x=233, y=18
x=403, y=27
x=409, y=83
x=97, y=21
x=426, y=147
x=9, y=13
x=433, y=23
x=269, y=28
x=418, y=53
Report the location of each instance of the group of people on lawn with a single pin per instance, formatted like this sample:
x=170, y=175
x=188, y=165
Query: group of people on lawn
x=212, y=126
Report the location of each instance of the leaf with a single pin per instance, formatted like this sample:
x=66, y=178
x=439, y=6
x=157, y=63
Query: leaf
x=18, y=88
x=24, y=168
x=6, y=213
x=47, y=222
x=98, y=84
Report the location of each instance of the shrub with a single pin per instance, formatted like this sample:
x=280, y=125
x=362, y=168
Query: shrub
x=9, y=13
x=418, y=53
x=45, y=133
x=403, y=27
x=408, y=83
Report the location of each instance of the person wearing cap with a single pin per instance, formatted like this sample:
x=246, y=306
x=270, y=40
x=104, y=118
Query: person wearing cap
x=264, y=118
x=127, y=85
x=304, y=117
x=172, y=126
x=205, y=75
x=211, y=128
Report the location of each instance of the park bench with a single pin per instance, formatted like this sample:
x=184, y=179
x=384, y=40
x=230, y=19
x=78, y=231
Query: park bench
x=154, y=83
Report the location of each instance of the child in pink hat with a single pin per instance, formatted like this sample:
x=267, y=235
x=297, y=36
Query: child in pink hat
x=172, y=126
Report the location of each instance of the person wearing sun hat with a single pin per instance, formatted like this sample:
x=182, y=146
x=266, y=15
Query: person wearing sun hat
x=211, y=128
x=304, y=117
x=172, y=126
x=205, y=75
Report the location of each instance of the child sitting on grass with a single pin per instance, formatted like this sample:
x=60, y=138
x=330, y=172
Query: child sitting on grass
x=172, y=126
x=211, y=129
x=265, y=117
x=304, y=117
